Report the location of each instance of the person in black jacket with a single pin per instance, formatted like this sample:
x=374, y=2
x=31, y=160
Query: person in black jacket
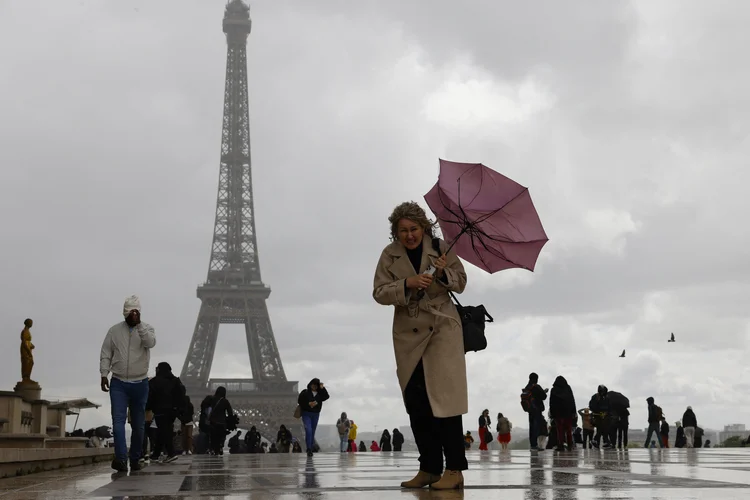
x=166, y=399
x=398, y=440
x=252, y=440
x=536, y=411
x=310, y=401
x=220, y=420
x=562, y=409
x=689, y=425
x=283, y=439
x=385, y=441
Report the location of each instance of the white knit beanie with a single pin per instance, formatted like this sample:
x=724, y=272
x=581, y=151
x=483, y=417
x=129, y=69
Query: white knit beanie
x=132, y=302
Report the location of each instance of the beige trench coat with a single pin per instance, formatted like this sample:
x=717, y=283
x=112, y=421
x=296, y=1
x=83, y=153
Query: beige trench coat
x=429, y=329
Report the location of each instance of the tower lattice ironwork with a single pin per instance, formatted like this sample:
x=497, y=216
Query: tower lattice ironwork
x=234, y=292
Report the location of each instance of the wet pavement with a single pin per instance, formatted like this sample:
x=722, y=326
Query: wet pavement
x=636, y=474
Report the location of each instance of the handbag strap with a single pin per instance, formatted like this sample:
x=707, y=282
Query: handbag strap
x=436, y=247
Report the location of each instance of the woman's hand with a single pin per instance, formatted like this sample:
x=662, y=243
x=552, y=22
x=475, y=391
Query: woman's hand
x=420, y=281
x=440, y=264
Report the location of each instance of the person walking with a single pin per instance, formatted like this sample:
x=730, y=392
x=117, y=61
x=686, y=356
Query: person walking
x=166, y=399
x=484, y=425
x=654, y=418
x=689, y=424
x=343, y=425
x=562, y=408
x=221, y=419
x=503, y=431
x=532, y=401
x=126, y=354
x=427, y=343
x=398, y=440
x=310, y=401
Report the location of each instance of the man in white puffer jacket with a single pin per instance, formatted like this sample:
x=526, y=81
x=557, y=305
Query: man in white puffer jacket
x=126, y=353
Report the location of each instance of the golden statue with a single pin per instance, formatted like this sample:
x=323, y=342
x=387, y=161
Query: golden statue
x=27, y=357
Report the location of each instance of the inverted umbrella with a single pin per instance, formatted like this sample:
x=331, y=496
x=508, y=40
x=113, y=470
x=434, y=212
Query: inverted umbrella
x=486, y=217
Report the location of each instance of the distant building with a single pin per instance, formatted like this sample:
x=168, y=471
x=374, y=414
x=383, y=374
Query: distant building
x=733, y=430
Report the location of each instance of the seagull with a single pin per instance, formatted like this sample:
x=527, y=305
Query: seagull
x=623, y=353
x=671, y=339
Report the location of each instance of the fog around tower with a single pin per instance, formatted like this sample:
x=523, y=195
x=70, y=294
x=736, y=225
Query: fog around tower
x=627, y=120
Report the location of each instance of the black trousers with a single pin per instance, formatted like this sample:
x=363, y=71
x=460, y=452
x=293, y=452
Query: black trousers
x=588, y=437
x=217, y=437
x=622, y=435
x=434, y=436
x=164, y=435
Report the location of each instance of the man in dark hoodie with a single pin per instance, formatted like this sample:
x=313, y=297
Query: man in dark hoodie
x=654, y=422
x=166, y=399
x=689, y=424
x=536, y=409
x=562, y=408
x=310, y=401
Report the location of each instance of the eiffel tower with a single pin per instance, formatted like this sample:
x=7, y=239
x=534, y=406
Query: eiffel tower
x=234, y=292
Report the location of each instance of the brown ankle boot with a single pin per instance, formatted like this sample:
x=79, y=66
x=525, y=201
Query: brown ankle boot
x=451, y=480
x=421, y=480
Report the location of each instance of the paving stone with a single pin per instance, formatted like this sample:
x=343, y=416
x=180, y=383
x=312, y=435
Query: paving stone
x=583, y=475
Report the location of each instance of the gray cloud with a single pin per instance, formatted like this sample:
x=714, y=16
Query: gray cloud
x=627, y=120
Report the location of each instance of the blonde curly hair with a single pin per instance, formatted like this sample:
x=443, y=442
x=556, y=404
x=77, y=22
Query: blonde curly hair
x=412, y=211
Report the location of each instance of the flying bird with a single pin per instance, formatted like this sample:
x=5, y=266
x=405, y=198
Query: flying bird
x=623, y=353
x=671, y=339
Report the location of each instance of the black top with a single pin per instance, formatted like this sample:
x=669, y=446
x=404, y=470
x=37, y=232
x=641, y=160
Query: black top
x=306, y=397
x=166, y=394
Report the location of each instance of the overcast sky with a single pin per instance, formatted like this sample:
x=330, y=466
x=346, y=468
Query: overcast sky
x=627, y=120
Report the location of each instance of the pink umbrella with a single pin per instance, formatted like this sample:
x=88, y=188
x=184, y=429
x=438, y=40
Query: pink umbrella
x=488, y=218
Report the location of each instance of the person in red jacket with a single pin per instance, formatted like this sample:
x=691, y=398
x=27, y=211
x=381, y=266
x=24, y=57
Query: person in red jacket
x=374, y=446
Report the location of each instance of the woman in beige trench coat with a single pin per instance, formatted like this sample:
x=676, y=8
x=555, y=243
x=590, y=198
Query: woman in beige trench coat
x=428, y=343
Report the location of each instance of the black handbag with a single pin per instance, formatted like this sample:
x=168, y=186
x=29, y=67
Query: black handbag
x=473, y=318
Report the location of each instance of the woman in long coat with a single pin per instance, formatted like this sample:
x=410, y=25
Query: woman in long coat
x=427, y=342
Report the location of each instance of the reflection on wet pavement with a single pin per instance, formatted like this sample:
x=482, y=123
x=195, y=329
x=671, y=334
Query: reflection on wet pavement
x=582, y=475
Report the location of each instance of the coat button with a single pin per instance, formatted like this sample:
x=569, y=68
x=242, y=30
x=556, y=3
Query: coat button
x=415, y=330
x=430, y=328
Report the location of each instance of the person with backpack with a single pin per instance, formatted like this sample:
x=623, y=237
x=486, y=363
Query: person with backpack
x=655, y=416
x=343, y=425
x=166, y=399
x=532, y=402
x=689, y=424
x=503, y=431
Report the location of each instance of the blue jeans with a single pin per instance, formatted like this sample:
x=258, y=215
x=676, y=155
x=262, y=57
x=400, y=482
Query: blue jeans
x=124, y=396
x=344, y=441
x=653, y=429
x=310, y=421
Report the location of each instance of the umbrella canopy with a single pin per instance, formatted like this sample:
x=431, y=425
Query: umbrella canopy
x=618, y=400
x=488, y=218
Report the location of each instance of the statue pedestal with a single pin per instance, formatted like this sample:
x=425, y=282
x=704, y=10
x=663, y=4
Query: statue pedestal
x=28, y=390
